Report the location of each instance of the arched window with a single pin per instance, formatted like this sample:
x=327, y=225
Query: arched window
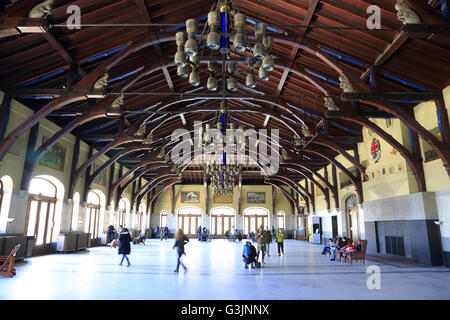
x=163, y=219
x=281, y=219
x=75, y=211
x=123, y=209
x=6, y=187
x=254, y=218
x=1, y=193
x=141, y=214
x=93, y=214
x=40, y=218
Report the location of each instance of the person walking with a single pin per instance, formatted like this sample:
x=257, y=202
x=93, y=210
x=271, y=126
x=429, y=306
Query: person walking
x=280, y=241
x=261, y=248
x=110, y=234
x=166, y=233
x=180, y=241
x=199, y=233
x=267, y=236
x=124, y=245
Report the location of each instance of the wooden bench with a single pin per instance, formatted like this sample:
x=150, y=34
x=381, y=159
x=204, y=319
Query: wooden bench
x=359, y=255
x=7, y=263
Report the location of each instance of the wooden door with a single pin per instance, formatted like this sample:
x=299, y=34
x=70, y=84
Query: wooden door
x=302, y=228
x=189, y=223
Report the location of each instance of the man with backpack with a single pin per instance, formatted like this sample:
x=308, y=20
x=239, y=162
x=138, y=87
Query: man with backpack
x=249, y=255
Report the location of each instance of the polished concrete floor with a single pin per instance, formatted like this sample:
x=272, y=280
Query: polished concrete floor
x=215, y=272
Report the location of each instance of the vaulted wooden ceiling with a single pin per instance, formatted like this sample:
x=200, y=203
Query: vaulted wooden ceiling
x=313, y=41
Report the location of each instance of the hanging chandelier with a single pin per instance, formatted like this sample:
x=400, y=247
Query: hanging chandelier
x=224, y=177
x=225, y=26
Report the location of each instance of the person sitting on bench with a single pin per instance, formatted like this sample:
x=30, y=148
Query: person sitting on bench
x=328, y=247
x=249, y=255
x=340, y=244
x=205, y=234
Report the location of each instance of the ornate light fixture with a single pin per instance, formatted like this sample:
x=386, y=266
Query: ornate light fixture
x=224, y=23
x=224, y=177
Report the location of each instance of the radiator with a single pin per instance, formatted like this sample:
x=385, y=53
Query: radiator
x=83, y=241
x=66, y=242
x=9, y=242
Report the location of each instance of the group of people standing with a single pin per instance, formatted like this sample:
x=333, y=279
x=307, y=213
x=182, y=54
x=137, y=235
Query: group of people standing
x=263, y=239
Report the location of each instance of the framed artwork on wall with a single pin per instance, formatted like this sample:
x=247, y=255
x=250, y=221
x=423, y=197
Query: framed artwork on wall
x=54, y=157
x=190, y=197
x=101, y=178
x=256, y=197
x=223, y=198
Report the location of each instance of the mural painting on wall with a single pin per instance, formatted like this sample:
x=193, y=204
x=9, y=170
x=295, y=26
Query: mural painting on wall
x=101, y=177
x=256, y=197
x=55, y=156
x=223, y=198
x=375, y=150
x=190, y=196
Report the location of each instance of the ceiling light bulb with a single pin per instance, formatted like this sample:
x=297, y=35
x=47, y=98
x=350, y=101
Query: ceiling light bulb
x=180, y=59
x=250, y=80
x=182, y=72
x=232, y=84
x=267, y=63
x=212, y=83
x=263, y=74
x=213, y=41
x=259, y=51
x=194, y=79
x=191, y=47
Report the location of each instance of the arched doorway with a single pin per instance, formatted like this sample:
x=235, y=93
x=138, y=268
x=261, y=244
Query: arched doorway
x=223, y=219
x=43, y=216
x=352, y=217
x=281, y=219
x=189, y=219
x=6, y=187
x=254, y=218
x=123, y=213
x=93, y=225
x=75, y=211
x=163, y=219
x=141, y=223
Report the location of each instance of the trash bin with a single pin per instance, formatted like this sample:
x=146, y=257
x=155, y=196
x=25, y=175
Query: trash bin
x=31, y=242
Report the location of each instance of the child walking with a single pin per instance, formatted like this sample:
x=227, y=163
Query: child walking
x=124, y=245
x=180, y=241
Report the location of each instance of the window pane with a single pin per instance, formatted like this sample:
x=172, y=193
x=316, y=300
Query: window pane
x=252, y=224
x=186, y=224
x=43, y=187
x=213, y=225
x=226, y=224
x=32, y=218
x=193, y=225
x=219, y=225
x=41, y=227
x=50, y=223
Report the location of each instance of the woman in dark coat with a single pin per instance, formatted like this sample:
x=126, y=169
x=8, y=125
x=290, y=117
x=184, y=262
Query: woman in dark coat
x=124, y=245
x=180, y=241
x=111, y=233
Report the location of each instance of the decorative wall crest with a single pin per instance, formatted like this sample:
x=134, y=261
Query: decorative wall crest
x=118, y=102
x=330, y=105
x=102, y=82
x=375, y=150
x=345, y=84
x=405, y=14
x=41, y=10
